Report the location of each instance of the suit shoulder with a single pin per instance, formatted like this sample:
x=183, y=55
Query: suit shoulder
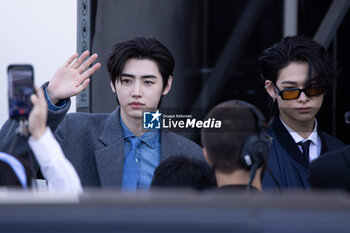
x=86, y=118
x=332, y=142
x=183, y=140
x=184, y=144
x=85, y=121
x=342, y=152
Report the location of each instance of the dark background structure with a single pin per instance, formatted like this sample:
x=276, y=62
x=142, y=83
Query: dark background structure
x=216, y=45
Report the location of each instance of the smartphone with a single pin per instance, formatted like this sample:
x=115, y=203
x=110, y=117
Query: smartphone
x=20, y=88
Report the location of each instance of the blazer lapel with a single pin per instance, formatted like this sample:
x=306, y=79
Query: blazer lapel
x=283, y=136
x=324, y=147
x=110, y=158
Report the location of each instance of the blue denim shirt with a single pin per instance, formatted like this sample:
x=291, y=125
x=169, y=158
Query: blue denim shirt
x=147, y=155
x=54, y=107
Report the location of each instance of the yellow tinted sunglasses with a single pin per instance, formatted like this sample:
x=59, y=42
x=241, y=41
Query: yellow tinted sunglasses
x=294, y=93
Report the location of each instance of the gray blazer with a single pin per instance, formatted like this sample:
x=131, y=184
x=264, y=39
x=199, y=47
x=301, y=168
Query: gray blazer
x=94, y=143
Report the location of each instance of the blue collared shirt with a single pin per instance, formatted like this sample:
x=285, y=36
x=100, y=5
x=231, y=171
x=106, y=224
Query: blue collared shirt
x=147, y=155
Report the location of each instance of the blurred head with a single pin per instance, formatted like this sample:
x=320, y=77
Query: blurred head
x=7, y=176
x=297, y=63
x=183, y=172
x=223, y=146
x=11, y=170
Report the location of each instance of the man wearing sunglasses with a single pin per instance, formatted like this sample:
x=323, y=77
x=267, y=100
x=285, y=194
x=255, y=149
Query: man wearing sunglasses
x=297, y=72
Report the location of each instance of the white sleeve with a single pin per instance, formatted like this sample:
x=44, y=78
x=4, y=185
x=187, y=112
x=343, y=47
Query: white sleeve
x=57, y=170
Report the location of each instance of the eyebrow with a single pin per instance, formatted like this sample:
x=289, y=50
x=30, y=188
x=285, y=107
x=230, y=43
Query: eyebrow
x=288, y=82
x=133, y=76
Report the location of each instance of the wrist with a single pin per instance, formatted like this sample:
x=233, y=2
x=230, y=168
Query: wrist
x=38, y=132
x=54, y=100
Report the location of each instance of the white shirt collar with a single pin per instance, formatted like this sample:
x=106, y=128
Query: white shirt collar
x=297, y=138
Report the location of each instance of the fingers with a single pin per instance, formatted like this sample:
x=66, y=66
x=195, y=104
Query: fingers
x=83, y=86
x=87, y=63
x=34, y=99
x=70, y=60
x=80, y=60
x=91, y=71
x=40, y=92
x=39, y=97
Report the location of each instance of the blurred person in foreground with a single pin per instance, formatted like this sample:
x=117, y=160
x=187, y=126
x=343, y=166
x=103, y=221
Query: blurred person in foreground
x=182, y=172
x=238, y=151
x=55, y=168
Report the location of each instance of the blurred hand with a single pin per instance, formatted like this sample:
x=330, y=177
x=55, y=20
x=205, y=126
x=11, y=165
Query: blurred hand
x=72, y=78
x=38, y=115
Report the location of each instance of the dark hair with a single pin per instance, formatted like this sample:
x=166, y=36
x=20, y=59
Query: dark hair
x=8, y=177
x=184, y=172
x=140, y=48
x=298, y=49
x=224, y=145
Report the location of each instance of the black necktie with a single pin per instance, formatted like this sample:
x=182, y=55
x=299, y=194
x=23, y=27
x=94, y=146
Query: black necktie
x=305, y=147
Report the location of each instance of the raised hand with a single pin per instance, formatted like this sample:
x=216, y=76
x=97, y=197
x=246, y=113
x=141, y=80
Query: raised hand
x=72, y=78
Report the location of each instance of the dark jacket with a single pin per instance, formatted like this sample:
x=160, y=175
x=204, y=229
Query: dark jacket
x=286, y=161
x=332, y=170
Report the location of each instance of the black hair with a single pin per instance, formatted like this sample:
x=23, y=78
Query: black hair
x=140, y=48
x=8, y=177
x=224, y=145
x=298, y=49
x=184, y=172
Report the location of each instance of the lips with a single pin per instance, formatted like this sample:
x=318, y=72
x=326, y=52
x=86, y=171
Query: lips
x=304, y=110
x=136, y=105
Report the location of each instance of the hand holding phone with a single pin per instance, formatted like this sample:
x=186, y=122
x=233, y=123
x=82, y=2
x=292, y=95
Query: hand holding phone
x=38, y=115
x=20, y=88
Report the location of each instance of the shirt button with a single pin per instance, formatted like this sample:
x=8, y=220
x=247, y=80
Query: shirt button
x=137, y=160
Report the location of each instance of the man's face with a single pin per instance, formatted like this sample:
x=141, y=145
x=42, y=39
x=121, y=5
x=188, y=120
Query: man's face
x=302, y=109
x=140, y=86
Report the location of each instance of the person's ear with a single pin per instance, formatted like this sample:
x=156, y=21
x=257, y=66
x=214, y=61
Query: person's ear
x=168, y=85
x=206, y=156
x=113, y=87
x=270, y=89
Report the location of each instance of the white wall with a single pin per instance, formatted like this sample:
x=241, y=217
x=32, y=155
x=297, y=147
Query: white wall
x=39, y=32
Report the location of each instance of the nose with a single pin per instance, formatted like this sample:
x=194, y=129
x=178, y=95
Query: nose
x=136, y=90
x=303, y=97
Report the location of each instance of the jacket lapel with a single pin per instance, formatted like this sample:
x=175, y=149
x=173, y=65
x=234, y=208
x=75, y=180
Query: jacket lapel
x=283, y=136
x=324, y=147
x=110, y=158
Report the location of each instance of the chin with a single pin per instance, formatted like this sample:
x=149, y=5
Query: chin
x=304, y=118
x=134, y=113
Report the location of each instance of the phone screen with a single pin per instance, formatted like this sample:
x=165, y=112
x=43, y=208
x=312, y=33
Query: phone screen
x=21, y=87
